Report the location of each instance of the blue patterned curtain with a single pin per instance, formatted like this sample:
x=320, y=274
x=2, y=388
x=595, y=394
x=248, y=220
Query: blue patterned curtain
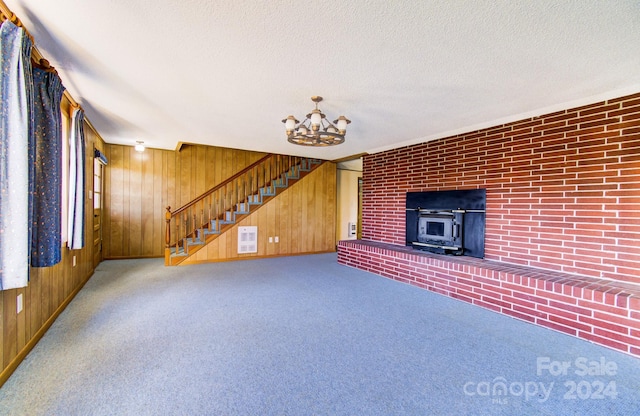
x=76, y=181
x=46, y=231
x=16, y=155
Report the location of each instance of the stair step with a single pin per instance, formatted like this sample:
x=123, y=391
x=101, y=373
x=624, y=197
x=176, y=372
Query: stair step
x=179, y=253
x=255, y=199
x=204, y=232
x=209, y=231
x=281, y=182
x=229, y=218
x=193, y=241
x=305, y=164
x=267, y=191
x=187, y=242
x=242, y=208
x=212, y=228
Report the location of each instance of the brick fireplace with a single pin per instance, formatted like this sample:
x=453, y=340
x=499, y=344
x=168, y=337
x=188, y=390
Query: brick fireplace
x=562, y=243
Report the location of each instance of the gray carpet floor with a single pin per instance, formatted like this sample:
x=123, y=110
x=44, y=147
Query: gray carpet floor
x=302, y=336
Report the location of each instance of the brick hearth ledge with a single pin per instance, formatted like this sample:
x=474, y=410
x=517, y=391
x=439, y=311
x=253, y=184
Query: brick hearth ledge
x=598, y=310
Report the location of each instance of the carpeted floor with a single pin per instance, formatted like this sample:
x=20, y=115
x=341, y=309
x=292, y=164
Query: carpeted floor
x=302, y=336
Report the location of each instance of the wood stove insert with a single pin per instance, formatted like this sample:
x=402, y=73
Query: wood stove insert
x=447, y=222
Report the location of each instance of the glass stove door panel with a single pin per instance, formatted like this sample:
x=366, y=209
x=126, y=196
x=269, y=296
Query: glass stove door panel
x=435, y=229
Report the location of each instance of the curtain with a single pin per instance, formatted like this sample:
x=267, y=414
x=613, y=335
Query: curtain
x=76, y=181
x=16, y=155
x=46, y=231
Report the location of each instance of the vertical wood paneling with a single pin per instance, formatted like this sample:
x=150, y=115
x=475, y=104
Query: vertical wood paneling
x=170, y=178
x=222, y=246
x=126, y=201
x=318, y=202
x=11, y=329
x=331, y=208
x=135, y=200
x=35, y=311
x=306, y=239
x=208, y=169
x=21, y=322
x=54, y=290
x=261, y=219
x=45, y=294
x=106, y=230
x=147, y=206
x=158, y=203
x=200, y=170
x=115, y=185
x=184, y=178
x=296, y=220
x=271, y=227
x=284, y=224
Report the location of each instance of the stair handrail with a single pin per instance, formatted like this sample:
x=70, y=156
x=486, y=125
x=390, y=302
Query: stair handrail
x=220, y=185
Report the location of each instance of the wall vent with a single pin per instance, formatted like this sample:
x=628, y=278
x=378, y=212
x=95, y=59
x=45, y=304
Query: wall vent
x=247, y=239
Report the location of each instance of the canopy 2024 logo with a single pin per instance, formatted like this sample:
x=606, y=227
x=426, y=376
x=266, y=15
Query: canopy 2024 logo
x=582, y=379
x=583, y=389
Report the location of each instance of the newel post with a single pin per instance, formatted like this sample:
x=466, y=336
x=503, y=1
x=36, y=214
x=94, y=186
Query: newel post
x=167, y=237
x=167, y=234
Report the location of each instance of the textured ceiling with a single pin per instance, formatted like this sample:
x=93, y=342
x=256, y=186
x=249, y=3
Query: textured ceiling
x=226, y=72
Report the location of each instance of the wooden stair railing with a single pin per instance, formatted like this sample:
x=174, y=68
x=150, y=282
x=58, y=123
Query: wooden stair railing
x=194, y=224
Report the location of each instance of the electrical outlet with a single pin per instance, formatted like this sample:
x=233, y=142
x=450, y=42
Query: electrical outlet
x=19, y=304
x=271, y=239
x=276, y=239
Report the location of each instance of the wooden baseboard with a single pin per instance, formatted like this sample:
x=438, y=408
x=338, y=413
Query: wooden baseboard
x=133, y=257
x=250, y=257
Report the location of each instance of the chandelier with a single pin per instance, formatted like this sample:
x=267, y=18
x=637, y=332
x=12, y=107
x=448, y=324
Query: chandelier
x=315, y=130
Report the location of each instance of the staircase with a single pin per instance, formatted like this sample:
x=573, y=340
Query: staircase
x=197, y=223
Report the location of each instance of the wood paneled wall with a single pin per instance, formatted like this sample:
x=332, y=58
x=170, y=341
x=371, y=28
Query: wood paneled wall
x=303, y=218
x=50, y=289
x=138, y=187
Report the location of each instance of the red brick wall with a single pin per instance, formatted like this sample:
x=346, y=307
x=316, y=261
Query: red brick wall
x=563, y=189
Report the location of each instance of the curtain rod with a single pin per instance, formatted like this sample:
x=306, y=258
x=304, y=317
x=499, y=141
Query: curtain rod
x=36, y=56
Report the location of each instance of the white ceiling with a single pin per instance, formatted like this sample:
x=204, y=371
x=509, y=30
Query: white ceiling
x=226, y=72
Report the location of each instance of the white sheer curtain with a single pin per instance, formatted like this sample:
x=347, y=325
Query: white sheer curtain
x=77, y=168
x=16, y=155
